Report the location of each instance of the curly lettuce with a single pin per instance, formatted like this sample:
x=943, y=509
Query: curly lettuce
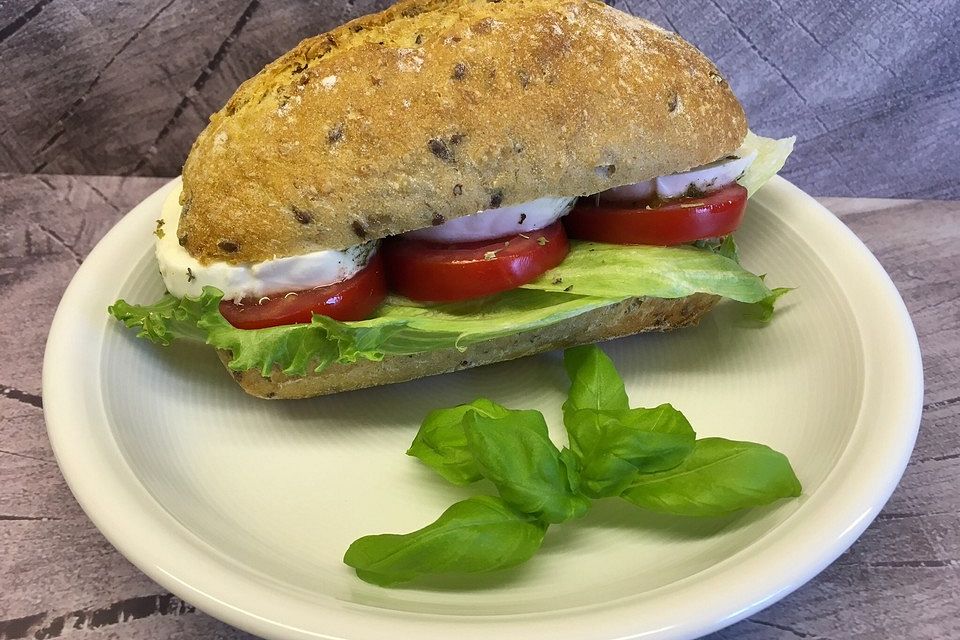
x=591, y=277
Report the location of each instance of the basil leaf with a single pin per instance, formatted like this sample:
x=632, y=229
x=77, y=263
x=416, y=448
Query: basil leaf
x=720, y=476
x=478, y=534
x=571, y=461
x=612, y=441
x=615, y=445
x=594, y=381
x=516, y=454
x=441, y=442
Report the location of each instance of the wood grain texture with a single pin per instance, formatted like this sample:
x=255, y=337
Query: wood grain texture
x=871, y=88
x=60, y=578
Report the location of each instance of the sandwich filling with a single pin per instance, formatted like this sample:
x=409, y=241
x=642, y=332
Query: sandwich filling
x=496, y=223
x=184, y=275
x=469, y=257
x=298, y=338
x=710, y=177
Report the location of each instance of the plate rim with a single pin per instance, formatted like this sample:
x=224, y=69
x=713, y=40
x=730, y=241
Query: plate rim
x=68, y=348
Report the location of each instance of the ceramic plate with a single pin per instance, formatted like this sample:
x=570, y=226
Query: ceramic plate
x=245, y=507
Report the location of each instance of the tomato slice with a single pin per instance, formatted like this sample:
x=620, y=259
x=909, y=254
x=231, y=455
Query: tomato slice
x=664, y=222
x=433, y=272
x=353, y=299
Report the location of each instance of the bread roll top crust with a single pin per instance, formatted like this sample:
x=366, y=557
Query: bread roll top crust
x=436, y=109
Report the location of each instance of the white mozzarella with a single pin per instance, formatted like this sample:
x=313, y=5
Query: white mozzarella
x=184, y=275
x=494, y=223
x=630, y=193
x=707, y=178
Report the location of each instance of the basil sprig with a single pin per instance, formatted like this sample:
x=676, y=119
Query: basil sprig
x=613, y=441
x=648, y=457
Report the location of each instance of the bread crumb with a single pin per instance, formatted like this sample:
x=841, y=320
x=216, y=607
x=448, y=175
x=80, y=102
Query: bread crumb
x=409, y=60
x=675, y=105
x=284, y=109
x=220, y=139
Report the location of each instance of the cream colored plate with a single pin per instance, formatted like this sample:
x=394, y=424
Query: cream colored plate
x=244, y=507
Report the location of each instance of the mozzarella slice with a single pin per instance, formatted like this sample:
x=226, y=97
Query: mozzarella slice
x=184, y=275
x=707, y=178
x=495, y=223
x=630, y=193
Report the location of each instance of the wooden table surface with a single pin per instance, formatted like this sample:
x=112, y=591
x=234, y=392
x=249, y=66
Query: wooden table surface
x=60, y=578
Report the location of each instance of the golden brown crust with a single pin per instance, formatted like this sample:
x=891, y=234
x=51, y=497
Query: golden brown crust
x=635, y=315
x=434, y=109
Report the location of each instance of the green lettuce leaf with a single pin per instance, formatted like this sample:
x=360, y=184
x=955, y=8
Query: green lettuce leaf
x=763, y=310
x=401, y=327
x=293, y=347
x=725, y=246
x=593, y=276
x=622, y=271
x=772, y=154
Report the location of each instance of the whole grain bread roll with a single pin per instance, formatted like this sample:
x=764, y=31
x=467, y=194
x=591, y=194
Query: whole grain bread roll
x=435, y=109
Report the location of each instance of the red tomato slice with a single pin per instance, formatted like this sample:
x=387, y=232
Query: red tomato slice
x=352, y=299
x=665, y=223
x=446, y=272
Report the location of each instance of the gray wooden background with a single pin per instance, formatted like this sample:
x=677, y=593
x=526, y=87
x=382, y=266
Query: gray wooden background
x=121, y=87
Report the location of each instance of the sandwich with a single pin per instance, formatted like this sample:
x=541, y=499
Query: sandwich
x=452, y=183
